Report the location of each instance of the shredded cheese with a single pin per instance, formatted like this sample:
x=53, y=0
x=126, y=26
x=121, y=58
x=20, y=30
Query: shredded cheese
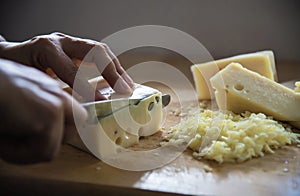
x=228, y=137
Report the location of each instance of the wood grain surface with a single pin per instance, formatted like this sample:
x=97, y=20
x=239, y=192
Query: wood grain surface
x=79, y=173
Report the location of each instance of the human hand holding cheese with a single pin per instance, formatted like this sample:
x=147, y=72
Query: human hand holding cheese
x=56, y=51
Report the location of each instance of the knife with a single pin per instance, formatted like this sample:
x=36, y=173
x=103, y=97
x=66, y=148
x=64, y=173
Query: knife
x=102, y=109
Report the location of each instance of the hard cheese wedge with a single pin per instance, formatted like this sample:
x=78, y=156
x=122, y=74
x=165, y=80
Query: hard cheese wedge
x=260, y=62
x=238, y=89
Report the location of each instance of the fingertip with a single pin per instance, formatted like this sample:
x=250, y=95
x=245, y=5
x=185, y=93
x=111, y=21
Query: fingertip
x=129, y=80
x=99, y=96
x=122, y=87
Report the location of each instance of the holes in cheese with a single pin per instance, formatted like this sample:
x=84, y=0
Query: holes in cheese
x=125, y=125
x=261, y=62
x=239, y=89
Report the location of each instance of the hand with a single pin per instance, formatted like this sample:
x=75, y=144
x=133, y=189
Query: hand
x=35, y=114
x=57, y=50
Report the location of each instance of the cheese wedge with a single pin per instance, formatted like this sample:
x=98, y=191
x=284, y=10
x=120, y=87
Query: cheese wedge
x=261, y=62
x=238, y=89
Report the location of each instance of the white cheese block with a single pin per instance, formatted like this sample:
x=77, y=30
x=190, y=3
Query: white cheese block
x=238, y=89
x=126, y=124
x=261, y=62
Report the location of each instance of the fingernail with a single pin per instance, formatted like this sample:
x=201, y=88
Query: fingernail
x=99, y=96
x=128, y=79
x=122, y=87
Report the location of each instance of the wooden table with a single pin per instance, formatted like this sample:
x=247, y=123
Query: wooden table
x=79, y=173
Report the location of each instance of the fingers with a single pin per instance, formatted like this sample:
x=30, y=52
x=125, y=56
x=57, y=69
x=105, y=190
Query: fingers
x=39, y=141
x=107, y=63
x=108, y=70
x=58, y=50
x=75, y=48
x=119, y=68
x=37, y=114
x=68, y=72
x=33, y=126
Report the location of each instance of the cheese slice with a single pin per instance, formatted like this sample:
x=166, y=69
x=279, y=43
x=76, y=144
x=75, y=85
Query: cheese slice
x=239, y=89
x=261, y=62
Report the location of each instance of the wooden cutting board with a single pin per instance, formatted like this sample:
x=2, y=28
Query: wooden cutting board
x=77, y=172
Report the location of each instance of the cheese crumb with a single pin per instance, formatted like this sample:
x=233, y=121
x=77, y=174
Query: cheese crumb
x=207, y=168
x=228, y=137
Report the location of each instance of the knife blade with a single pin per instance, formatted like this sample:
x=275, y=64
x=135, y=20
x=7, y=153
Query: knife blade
x=101, y=109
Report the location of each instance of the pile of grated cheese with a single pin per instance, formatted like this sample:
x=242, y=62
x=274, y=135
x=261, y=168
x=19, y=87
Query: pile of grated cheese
x=228, y=137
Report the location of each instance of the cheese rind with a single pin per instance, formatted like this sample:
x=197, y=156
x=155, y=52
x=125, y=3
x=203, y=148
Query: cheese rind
x=239, y=89
x=270, y=55
x=261, y=62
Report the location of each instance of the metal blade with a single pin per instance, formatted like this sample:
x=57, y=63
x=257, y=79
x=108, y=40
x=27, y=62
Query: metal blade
x=101, y=109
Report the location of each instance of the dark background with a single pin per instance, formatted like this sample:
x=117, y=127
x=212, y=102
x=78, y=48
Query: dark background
x=225, y=28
